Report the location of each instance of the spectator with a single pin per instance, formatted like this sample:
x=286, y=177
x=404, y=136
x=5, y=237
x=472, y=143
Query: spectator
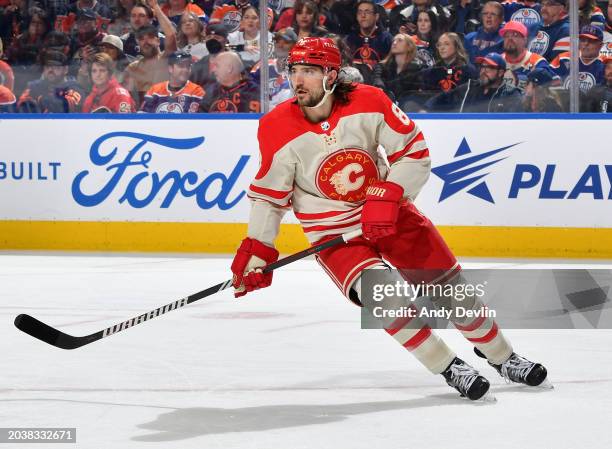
x=591, y=67
x=489, y=94
x=599, y=99
x=25, y=48
x=85, y=45
x=190, y=38
x=552, y=35
x=427, y=34
x=232, y=92
x=411, y=14
x=174, y=9
x=100, y=8
x=107, y=95
x=538, y=97
x=487, y=38
x=519, y=60
x=177, y=95
x=229, y=14
x=370, y=44
x=306, y=19
x=464, y=16
x=140, y=15
x=343, y=16
x=13, y=20
x=398, y=74
x=152, y=68
x=121, y=24
x=278, y=84
x=527, y=12
x=452, y=68
x=591, y=14
x=55, y=91
x=608, y=29
x=216, y=43
x=246, y=41
x=113, y=46
x=7, y=78
x=8, y=102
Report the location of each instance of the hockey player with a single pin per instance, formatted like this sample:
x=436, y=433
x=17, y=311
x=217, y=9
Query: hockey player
x=178, y=94
x=319, y=157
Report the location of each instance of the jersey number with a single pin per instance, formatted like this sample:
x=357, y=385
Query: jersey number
x=400, y=114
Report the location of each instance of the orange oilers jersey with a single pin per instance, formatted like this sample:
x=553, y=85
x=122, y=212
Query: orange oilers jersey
x=322, y=170
x=160, y=99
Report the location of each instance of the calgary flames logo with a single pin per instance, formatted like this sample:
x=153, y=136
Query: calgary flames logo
x=346, y=174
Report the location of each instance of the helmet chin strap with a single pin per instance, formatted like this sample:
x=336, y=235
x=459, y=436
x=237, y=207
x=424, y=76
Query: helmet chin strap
x=325, y=95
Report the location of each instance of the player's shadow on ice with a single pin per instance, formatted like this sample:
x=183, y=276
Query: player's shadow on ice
x=187, y=423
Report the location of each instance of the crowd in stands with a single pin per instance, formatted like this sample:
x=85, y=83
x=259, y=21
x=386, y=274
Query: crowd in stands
x=203, y=56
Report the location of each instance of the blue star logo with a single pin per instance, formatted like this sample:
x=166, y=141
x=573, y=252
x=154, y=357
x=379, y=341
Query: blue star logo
x=457, y=175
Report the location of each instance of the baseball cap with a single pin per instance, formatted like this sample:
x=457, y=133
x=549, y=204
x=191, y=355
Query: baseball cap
x=514, y=26
x=540, y=77
x=494, y=59
x=286, y=34
x=146, y=30
x=179, y=57
x=53, y=58
x=216, y=29
x=114, y=41
x=87, y=14
x=591, y=32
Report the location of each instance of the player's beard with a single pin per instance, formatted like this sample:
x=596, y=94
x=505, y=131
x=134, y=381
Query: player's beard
x=311, y=98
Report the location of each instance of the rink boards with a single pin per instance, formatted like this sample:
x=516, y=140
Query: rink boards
x=513, y=185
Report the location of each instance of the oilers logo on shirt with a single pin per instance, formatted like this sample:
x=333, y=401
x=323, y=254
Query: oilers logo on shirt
x=586, y=81
x=528, y=17
x=540, y=43
x=345, y=175
x=232, y=20
x=606, y=50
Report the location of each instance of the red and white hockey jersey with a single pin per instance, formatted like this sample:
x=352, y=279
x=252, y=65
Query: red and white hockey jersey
x=322, y=170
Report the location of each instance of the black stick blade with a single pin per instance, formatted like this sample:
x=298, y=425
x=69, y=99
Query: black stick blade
x=46, y=333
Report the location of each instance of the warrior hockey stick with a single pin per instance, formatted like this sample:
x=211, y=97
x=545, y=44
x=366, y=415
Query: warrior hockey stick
x=59, y=339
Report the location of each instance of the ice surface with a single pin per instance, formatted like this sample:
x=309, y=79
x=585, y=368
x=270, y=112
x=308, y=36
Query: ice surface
x=287, y=367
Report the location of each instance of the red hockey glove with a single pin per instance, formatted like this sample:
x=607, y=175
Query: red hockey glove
x=250, y=258
x=381, y=209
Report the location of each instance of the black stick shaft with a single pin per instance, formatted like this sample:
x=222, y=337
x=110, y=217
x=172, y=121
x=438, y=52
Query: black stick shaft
x=52, y=336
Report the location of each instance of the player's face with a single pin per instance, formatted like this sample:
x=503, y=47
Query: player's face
x=551, y=11
x=366, y=16
x=514, y=42
x=491, y=20
x=608, y=74
x=179, y=73
x=138, y=17
x=99, y=75
x=423, y=23
x=307, y=82
x=55, y=74
x=589, y=48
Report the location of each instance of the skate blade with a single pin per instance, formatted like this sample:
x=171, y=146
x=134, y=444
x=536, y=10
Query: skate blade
x=487, y=398
x=545, y=385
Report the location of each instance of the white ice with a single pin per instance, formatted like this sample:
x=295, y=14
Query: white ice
x=284, y=368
